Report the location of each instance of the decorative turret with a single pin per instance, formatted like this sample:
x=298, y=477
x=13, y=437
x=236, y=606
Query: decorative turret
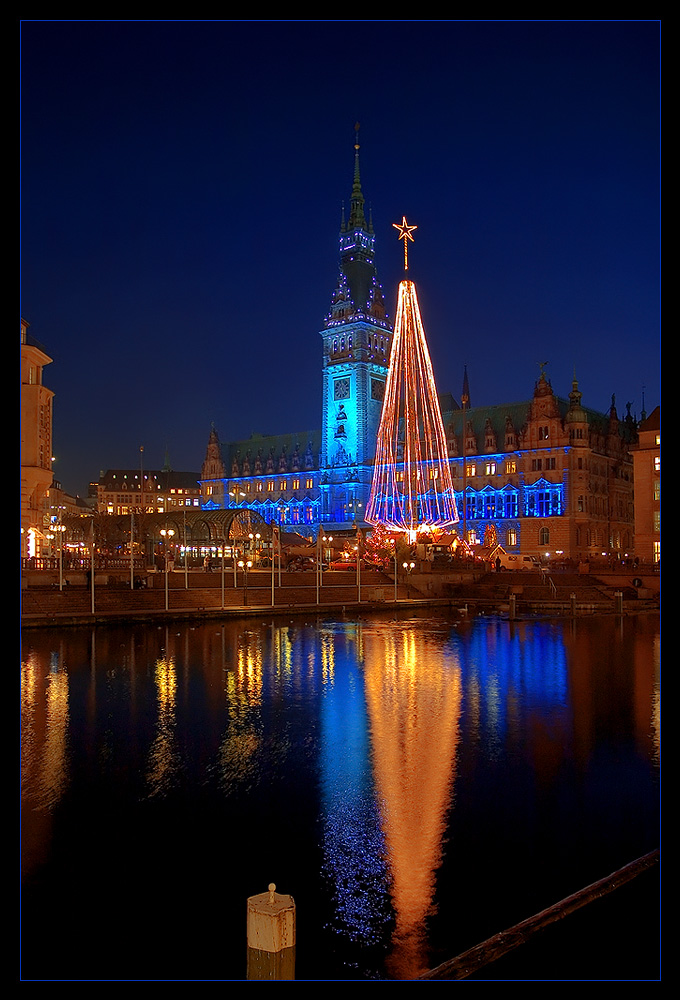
x=576, y=419
x=213, y=466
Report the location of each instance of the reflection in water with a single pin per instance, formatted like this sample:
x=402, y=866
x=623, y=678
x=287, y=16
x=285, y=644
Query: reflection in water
x=237, y=755
x=353, y=844
x=44, y=730
x=164, y=759
x=399, y=772
x=413, y=693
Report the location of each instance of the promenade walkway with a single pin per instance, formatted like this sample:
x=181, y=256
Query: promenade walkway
x=206, y=596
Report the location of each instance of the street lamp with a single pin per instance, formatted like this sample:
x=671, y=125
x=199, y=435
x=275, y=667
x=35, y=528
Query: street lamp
x=408, y=568
x=254, y=540
x=61, y=528
x=393, y=543
x=325, y=554
x=167, y=534
x=245, y=566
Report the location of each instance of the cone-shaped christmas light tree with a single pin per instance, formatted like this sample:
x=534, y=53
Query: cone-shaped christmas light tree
x=412, y=483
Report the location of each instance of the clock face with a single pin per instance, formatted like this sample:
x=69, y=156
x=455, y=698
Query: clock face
x=341, y=388
x=377, y=389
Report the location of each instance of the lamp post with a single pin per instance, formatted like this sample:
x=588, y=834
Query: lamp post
x=245, y=566
x=61, y=529
x=326, y=553
x=408, y=569
x=132, y=538
x=222, y=546
x=167, y=534
x=393, y=543
x=186, y=567
x=358, y=551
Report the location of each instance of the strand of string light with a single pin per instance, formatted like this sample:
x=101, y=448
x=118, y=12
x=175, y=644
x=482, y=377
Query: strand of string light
x=410, y=404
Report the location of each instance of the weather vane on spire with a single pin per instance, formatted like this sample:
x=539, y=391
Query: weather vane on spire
x=405, y=234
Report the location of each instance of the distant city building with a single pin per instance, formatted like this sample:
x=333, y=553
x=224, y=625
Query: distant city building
x=36, y=446
x=152, y=491
x=647, y=465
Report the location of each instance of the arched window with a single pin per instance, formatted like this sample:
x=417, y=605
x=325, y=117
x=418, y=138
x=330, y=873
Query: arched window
x=544, y=536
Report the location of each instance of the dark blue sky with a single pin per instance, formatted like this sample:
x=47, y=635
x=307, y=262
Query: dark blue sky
x=181, y=193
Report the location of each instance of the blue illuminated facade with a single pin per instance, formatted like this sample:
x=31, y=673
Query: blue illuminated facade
x=551, y=476
x=322, y=476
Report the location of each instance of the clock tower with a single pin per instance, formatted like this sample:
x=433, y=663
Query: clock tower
x=357, y=339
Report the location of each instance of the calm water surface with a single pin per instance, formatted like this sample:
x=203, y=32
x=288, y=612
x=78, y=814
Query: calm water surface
x=417, y=784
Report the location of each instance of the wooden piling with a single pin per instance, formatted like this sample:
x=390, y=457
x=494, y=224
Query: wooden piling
x=271, y=935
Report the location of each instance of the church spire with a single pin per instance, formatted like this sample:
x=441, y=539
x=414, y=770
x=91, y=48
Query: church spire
x=357, y=216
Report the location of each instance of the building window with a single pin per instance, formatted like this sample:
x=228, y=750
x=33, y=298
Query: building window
x=491, y=468
x=309, y=484
x=543, y=434
x=512, y=538
x=657, y=463
x=296, y=484
x=544, y=536
x=510, y=466
x=470, y=471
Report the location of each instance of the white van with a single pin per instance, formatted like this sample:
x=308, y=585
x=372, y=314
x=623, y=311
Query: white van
x=509, y=561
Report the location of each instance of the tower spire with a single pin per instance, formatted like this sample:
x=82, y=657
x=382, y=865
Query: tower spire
x=357, y=216
x=465, y=396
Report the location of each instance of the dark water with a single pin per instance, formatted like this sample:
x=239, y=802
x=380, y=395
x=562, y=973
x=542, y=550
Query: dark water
x=416, y=784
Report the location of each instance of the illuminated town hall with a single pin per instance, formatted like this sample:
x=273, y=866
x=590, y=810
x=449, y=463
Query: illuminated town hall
x=547, y=475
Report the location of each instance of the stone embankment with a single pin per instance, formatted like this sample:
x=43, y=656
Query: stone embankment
x=203, y=595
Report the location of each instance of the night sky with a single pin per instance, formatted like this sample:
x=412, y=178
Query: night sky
x=182, y=185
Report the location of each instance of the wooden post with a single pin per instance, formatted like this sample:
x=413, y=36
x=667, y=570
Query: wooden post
x=271, y=935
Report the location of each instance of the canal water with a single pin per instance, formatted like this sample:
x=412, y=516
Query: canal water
x=417, y=782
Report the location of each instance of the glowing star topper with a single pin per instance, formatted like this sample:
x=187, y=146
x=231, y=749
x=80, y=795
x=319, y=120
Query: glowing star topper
x=405, y=234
